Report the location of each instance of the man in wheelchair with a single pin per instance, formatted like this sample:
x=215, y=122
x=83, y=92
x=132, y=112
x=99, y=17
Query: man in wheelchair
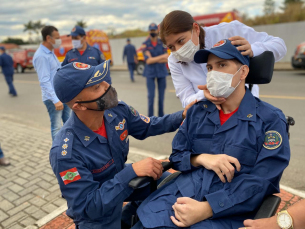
x=230, y=159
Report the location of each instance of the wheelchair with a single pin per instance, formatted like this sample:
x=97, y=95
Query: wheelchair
x=261, y=71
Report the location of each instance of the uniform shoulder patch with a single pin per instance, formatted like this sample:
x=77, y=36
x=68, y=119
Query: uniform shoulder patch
x=133, y=111
x=70, y=175
x=273, y=140
x=65, y=146
x=145, y=118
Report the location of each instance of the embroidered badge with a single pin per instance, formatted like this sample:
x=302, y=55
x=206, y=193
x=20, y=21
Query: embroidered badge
x=145, y=118
x=205, y=106
x=103, y=168
x=64, y=152
x=70, y=175
x=91, y=58
x=71, y=60
x=273, y=140
x=87, y=138
x=120, y=126
x=219, y=43
x=65, y=146
x=66, y=139
x=249, y=116
x=81, y=66
x=133, y=111
x=124, y=135
x=110, y=115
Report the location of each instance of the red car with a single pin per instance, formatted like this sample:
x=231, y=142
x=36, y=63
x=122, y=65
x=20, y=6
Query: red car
x=23, y=59
x=298, y=59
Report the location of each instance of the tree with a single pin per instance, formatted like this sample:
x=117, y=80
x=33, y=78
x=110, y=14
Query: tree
x=16, y=41
x=269, y=7
x=29, y=27
x=288, y=3
x=82, y=24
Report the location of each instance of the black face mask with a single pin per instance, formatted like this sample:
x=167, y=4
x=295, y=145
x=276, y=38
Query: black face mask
x=153, y=34
x=106, y=101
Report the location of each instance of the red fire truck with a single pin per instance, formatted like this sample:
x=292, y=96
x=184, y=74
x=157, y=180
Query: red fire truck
x=214, y=19
x=23, y=59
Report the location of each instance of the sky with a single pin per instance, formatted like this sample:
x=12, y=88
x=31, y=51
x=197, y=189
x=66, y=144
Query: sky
x=101, y=14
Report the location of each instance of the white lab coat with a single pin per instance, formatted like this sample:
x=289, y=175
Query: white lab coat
x=186, y=78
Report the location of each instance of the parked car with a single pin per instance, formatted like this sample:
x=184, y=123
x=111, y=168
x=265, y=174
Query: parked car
x=23, y=59
x=298, y=59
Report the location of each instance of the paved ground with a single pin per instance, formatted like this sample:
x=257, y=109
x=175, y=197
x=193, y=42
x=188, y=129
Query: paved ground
x=28, y=188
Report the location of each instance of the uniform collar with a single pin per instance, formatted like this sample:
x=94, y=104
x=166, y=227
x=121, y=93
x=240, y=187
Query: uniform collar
x=109, y=115
x=247, y=107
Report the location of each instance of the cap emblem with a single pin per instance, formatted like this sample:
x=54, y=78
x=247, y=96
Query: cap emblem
x=219, y=43
x=98, y=74
x=81, y=66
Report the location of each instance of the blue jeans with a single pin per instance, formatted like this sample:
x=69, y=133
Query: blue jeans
x=150, y=83
x=57, y=117
x=9, y=80
x=1, y=153
x=131, y=67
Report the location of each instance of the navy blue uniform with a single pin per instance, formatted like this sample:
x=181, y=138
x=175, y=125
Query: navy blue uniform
x=7, y=64
x=92, y=56
x=131, y=54
x=91, y=169
x=256, y=135
x=155, y=71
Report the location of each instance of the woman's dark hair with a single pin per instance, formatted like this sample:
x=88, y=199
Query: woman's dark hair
x=179, y=21
x=47, y=30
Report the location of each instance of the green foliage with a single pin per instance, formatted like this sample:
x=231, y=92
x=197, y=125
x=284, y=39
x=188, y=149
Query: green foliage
x=129, y=33
x=82, y=24
x=16, y=41
x=269, y=7
x=31, y=27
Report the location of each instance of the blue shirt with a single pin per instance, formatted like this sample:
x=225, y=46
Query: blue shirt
x=130, y=52
x=91, y=169
x=46, y=64
x=7, y=64
x=158, y=70
x=256, y=135
x=91, y=56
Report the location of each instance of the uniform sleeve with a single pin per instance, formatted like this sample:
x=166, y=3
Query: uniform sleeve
x=144, y=49
x=141, y=126
x=124, y=53
x=43, y=70
x=260, y=41
x=83, y=194
x=246, y=191
x=184, y=88
x=101, y=56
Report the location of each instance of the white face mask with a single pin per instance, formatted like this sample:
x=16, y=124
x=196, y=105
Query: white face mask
x=77, y=44
x=219, y=83
x=57, y=43
x=187, y=52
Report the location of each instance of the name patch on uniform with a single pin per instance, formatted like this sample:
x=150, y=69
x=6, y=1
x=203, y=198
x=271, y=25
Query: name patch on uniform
x=124, y=135
x=103, y=168
x=133, y=111
x=91, y=58
x=145, y=118
x=70, y=175
x=120, y=126
x=273, y=140
x=81, y=66
x=73, y=59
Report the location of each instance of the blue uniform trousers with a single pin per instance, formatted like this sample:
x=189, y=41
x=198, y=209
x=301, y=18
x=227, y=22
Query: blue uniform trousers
x=57, y=117
x=150, y=83
x=131, y=68
x=9, y=80
x=1, y=153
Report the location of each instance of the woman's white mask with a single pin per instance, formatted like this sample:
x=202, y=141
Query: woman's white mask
x=219, y=83
x=187, y=52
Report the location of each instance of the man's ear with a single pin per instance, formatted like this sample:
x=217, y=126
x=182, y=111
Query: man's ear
x=244, y=72
x=78, y=107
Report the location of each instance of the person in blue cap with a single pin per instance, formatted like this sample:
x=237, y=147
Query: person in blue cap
x=132, y=59
x=89, y=153
x=230, y=159
x=155, y=55
x=82, y=51
x=7, y=64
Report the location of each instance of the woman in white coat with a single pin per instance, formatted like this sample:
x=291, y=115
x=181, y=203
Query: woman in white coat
x=183, y=36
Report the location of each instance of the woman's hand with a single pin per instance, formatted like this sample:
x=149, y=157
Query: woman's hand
x=208, y=96
x=189, y=211
x=188, y=107
x=244, y=45
x=221, y=164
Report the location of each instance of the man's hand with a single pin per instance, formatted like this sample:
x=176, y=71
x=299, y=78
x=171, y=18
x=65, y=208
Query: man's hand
x=188, y=107
x=244, y=45
x=221, y=164
x=208, y=96
x=59, y=106
x=189, y=211
x=148, y=167
x=269, y=223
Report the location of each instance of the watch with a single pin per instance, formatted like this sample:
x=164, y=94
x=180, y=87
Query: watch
x=284, y=220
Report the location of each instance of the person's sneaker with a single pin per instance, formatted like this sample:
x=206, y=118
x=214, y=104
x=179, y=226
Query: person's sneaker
x=4, y=162
x=12, y=95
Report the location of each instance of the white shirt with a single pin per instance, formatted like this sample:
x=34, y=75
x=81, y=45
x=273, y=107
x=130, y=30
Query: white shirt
x=186, y=78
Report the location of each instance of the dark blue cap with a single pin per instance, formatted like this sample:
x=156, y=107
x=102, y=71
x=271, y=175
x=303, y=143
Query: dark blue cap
x=72, y=78
x=224, y=50
x=2, y=47
x=77, y=30
x=153, y=26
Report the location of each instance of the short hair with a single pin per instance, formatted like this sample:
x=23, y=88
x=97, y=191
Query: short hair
x=47, y=30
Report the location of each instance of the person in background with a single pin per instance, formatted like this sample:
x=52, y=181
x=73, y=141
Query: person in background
x=7, y=64
x=3, y=161
x=156, y=56
x=292, y=218
x=82, y=51
x=46, y=64
x=132, y=59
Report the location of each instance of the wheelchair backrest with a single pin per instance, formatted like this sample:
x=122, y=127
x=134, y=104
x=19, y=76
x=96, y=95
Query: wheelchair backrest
x=261, y=68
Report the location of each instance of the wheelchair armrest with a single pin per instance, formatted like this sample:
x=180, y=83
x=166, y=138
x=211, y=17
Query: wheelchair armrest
x=139, y=181
x=268, y=207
